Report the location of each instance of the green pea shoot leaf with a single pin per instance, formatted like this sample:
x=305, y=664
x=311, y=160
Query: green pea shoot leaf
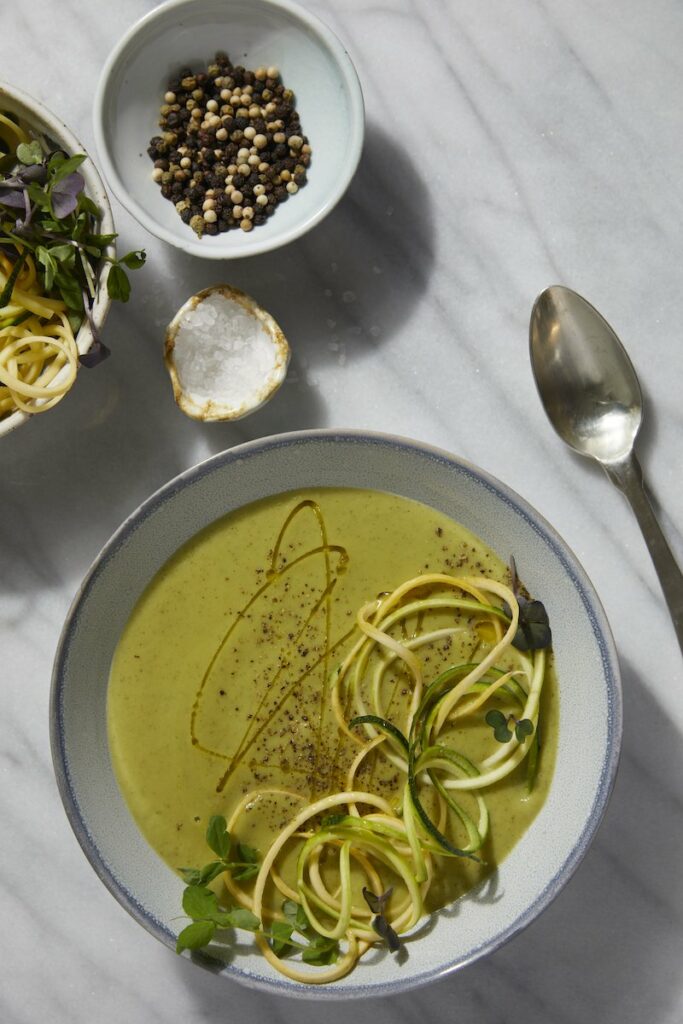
x=195, y=936
x=30, y=152
x=199, y=902
x=217, y=836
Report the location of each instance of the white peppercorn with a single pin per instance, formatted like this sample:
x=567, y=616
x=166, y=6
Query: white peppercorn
x=223, y=114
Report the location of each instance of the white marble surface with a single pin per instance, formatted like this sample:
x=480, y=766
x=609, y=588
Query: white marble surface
x=509, y=146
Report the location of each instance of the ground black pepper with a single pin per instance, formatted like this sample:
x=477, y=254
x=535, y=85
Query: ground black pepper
x=231, y=146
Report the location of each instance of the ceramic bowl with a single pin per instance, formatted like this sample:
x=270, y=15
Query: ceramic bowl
x=312, y=62
x=37, y=118
x=590, y=701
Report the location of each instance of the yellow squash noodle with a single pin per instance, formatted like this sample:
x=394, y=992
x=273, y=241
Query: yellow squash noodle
x=38, y=353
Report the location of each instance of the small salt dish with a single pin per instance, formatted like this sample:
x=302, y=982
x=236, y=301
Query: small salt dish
x=188, y=33
x=225, y=354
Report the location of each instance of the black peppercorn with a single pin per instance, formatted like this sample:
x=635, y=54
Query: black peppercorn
x=197, y=149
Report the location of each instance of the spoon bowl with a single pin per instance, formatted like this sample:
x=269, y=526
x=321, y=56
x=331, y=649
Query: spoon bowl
x=585, y=378
x=592, y=397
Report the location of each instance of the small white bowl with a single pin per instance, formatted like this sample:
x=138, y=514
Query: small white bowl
x=38, y=118
x=313, y=63
x=587, y=671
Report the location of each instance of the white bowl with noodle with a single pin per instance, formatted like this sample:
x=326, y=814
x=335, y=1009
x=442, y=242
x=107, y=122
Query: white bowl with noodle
x=589, y=735
x=36, y=118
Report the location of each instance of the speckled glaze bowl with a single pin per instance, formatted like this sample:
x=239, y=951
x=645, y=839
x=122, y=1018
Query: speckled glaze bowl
x=36, y=117
x=590, y=696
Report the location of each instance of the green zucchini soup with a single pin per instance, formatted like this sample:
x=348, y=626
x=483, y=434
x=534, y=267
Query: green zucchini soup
x=333, y=712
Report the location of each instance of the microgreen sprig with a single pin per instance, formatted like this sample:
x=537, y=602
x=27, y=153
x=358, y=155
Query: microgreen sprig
x=380, y=923
x=44, y=210
x=533, y=630
x=201, y=904
x=317, y=950
x=500, y=724
x=220, y=841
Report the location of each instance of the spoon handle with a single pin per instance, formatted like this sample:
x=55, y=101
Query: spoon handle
x=628, y=477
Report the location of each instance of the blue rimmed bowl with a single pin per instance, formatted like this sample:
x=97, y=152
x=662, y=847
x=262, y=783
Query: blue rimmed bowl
x=587, y=670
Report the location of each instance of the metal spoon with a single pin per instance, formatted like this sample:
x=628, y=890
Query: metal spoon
x=592, y=397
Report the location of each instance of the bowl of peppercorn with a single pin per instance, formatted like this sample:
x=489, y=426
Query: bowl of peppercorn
x=229, y=127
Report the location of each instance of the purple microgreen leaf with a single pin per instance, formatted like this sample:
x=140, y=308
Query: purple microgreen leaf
x=10, y=197
x=72, y=185
x=63, y=204
x=95, y=355
x=380, y=924
x=34, y=173
x=377, y=903
x=98, y=351
x=65, y=195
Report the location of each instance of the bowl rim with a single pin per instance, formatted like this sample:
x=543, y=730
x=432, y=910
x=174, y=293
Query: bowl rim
x=63, y=134
x=535, y=520
x=194, y=247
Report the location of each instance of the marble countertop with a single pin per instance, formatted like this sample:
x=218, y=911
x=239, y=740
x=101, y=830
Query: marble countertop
x=509, y=146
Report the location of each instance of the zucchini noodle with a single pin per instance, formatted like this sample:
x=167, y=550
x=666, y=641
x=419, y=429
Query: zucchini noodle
x=334, y=847
x=38, y=353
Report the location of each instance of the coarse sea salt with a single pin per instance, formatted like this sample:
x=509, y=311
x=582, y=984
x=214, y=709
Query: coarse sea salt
x=226, y=355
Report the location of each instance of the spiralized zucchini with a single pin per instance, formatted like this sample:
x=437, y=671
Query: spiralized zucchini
x=358, y=838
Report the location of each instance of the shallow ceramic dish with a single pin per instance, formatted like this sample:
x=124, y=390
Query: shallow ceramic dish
x=590, y=701
x=312, y=62
x=36, y=117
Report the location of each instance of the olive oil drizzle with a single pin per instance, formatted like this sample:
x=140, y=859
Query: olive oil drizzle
x=277, y=569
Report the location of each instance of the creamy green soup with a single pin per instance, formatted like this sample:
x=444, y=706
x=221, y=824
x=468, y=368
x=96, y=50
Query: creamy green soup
x=220, y=683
